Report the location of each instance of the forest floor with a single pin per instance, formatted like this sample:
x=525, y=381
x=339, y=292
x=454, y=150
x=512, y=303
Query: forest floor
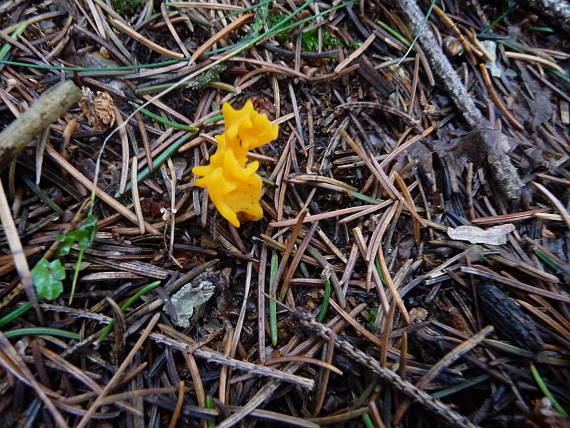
x=412, y=266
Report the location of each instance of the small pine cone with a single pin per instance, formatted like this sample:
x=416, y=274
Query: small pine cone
x=99, y=110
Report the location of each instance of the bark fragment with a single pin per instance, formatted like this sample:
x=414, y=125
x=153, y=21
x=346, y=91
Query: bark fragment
x=43, y=112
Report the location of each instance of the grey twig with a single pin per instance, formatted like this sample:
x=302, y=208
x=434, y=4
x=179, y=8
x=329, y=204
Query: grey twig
x=451, y=417
x=439, y=62
x=500, y=165
x=215, y=357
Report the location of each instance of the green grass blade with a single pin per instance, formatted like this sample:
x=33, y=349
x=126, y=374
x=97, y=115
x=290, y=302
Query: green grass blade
x=326, y=301
x=124, y=307
x=164, y=121
x=499, y=19
x=546, y=391
x=417, y=36
x=76, y=274
x=90, y=69
x=268, y=181
x=460, y=386
x=379, y=269
x=509, y=45
x=156, y=163
x=42, y=195
x=17, y=33
x=272, y=303
x=210, y=405
x=542, y=29
x=365, y=198
x=138, y=294
x=546, y=259
x=393, y=32
x=561, y=76
x=367, y=421
x=36, y=331
x=16, y=313
x=215, y=119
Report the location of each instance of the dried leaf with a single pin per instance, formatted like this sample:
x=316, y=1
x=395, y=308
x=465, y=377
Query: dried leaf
x=496, y=235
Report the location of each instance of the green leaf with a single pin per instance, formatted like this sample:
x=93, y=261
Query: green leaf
x=47, y=278
x=65, y=243
x=83, y=235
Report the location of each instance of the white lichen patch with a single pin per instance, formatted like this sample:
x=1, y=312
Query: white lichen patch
x=189, y=299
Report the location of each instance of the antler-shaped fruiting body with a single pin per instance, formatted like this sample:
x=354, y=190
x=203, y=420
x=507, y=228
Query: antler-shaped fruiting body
x=233, y=186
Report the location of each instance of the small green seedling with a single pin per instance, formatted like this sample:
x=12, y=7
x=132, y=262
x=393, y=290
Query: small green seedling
x=83, y=236
x=47, y=278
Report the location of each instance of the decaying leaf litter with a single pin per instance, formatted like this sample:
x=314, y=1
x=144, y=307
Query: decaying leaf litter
x=412, y=265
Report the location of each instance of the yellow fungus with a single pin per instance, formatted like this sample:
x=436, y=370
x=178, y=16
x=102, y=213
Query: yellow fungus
x=233, y=186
